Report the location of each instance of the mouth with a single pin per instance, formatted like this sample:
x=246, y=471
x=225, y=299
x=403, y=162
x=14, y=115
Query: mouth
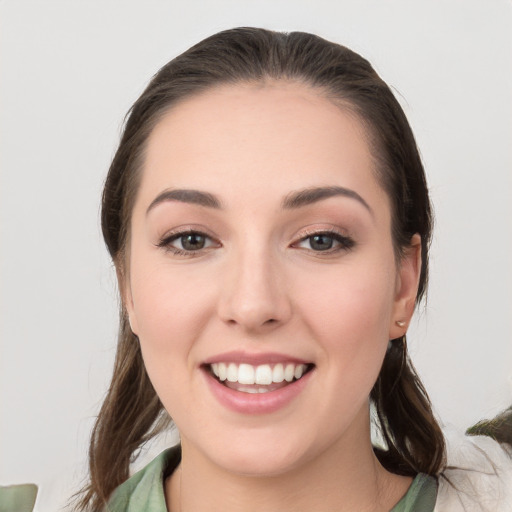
x=262, y=378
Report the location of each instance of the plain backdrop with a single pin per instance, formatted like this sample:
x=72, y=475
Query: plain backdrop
x=69, y=72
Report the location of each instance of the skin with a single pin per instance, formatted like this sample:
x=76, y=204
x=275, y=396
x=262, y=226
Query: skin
x=260, y=286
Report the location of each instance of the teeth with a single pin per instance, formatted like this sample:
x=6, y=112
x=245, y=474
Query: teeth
x=253, y=390
x=278, y=373
x=262, y=375
x=246, y=374
x=223, y=372
x=289, y=372
x=299, y=370
x=232, y=372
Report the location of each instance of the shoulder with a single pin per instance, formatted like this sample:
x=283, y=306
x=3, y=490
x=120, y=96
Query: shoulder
x=478, y=477
x=145, y=490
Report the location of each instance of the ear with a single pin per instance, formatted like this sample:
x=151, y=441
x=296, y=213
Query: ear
x=407, y=280
x=126, y=297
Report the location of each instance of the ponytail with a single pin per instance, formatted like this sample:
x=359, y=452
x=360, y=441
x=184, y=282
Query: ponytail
x=130, y=416
x=415, y=442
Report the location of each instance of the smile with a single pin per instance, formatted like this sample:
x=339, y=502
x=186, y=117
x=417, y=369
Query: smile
x=263, y=378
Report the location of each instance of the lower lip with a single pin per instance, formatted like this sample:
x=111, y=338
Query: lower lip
x=256, y=403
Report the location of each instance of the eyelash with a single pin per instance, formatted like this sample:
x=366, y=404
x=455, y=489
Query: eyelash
x=166, y=242
x=345, y=243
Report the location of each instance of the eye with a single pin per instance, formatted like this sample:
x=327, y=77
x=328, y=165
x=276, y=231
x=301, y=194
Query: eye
x=186, y=242
x=192, y=241
x=325, y=241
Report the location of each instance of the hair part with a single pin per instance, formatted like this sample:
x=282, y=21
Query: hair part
x=132, y=413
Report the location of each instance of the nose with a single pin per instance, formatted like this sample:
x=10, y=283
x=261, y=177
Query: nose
x=254, y=294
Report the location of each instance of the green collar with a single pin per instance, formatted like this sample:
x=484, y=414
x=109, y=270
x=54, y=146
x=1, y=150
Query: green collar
x=145, y=490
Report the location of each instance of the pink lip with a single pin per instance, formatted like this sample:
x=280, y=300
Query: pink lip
x=255, y=403
x=254, y=359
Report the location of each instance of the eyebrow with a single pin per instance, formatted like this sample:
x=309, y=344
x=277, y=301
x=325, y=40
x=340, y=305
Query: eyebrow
x=292, y=201
x=186, y=196
x=313, y=195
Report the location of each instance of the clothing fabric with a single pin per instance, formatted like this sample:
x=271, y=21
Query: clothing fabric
x=145, y=489
x=17, y=498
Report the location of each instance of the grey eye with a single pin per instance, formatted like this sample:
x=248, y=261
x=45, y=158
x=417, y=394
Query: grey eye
x=321, y=242
x=192, y=241
x=327, y=241
x=187, y=242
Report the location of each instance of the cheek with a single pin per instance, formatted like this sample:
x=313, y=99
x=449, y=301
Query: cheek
x=349, y=314
x=164, y=297
x=171, y=308
x=353, y=299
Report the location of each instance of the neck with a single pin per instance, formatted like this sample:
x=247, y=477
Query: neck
x=344, y=477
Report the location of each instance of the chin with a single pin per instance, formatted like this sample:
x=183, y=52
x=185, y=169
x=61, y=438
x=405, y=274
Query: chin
x=259, y=458
x=261, y=466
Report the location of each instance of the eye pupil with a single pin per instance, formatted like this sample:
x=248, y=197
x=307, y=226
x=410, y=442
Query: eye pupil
x=193, y=242
x=321, y=242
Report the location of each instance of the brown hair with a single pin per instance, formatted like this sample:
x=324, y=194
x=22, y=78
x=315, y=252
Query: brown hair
x=498, y=428
x=131, y=412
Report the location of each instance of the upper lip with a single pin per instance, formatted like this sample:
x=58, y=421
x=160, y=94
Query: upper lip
x=255, y=359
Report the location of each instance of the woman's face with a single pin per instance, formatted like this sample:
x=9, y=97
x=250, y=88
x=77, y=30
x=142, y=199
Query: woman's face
x=260, y=252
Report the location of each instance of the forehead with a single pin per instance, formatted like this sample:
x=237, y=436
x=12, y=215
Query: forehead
x=260, y=137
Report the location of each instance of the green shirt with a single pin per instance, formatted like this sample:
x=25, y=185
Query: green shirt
x=145, y=490
x=17, y=498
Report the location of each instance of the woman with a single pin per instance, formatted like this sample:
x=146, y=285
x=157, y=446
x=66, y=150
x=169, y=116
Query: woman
x=269, y=219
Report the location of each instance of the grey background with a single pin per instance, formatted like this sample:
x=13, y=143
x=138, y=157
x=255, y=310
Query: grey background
x=69, y=72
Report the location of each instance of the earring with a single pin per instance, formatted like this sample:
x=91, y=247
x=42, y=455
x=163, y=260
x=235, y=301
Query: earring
x=400, y=323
